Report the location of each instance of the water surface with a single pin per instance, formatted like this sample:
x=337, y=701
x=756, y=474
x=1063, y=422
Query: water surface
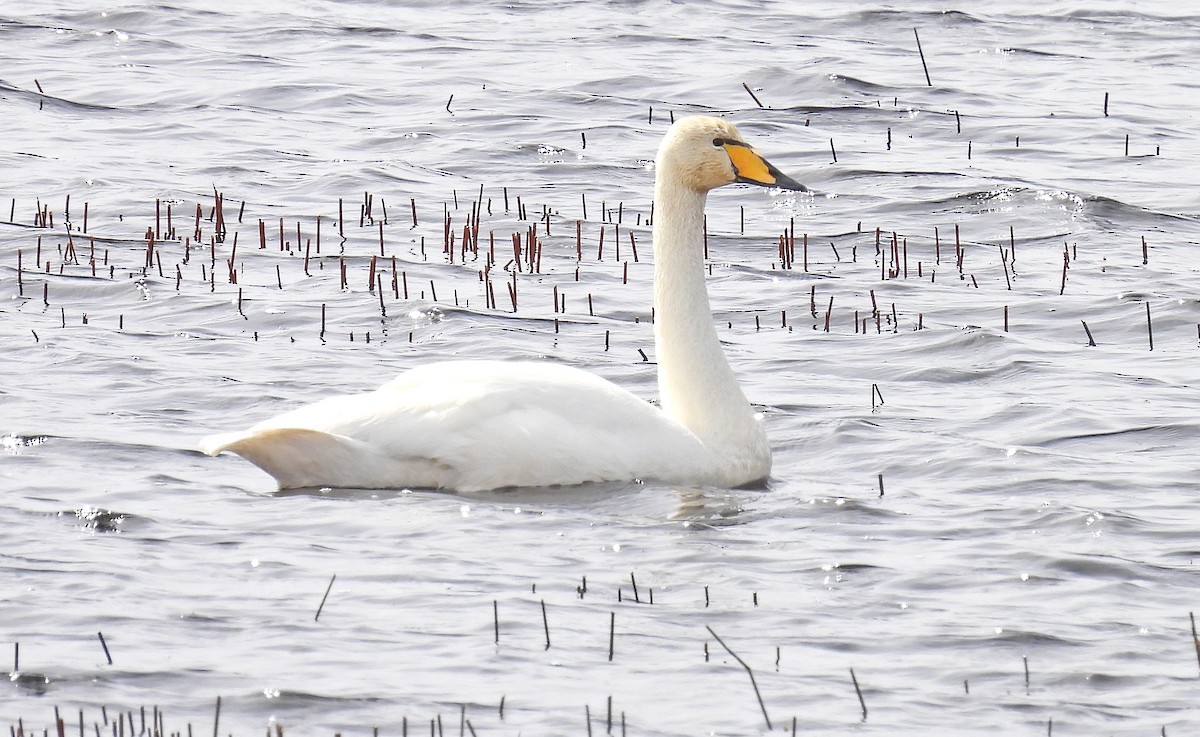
x=1038, y=491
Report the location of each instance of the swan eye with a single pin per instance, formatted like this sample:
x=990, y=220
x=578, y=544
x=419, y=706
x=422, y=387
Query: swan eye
x=718, y=142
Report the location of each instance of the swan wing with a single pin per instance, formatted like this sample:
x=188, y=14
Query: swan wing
x=470, y=426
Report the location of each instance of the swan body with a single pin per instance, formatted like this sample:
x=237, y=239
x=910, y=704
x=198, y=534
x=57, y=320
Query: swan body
x=479, y=425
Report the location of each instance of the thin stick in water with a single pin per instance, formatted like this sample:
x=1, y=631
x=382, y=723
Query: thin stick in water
x=331, y=580
x=612, y=632
x=750, y=673
x=1195, y=638
x=1066, y=264
x=1091, y=340
x=861, y=702
x=1149, y=327
x=922, y=53
x=751, y=93
x=104, y=645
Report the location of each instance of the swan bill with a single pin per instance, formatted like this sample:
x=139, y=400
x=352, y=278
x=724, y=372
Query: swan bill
x=752, y=168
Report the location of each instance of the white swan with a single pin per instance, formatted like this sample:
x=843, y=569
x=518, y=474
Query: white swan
x=479, y=425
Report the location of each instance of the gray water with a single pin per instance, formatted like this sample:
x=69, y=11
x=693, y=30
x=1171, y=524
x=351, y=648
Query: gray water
x=1028, y=569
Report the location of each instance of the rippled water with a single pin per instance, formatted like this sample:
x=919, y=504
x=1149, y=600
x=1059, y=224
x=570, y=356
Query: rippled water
x=1031, y=559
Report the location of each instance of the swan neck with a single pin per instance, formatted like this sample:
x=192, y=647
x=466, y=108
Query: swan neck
x=697, y=386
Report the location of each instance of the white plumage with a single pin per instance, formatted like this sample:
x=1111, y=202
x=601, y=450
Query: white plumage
x=478, y=425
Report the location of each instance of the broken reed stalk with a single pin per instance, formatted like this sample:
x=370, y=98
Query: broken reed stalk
x=546, y=624
x=104, y=645
x=750, y=673
x=751, y=93
x=922, y=53
x=1149, y=327
x=1091, y=340
x=334, y=578
x=1066, y=265
x=861, y=701
x=1195, y=638
x=496, y=628
x=612, y=635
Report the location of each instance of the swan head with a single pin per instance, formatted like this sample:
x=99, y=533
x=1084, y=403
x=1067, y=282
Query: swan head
x=704, y=153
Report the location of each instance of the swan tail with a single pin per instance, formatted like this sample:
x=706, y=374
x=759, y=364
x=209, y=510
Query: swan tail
x=214, y=444
x=300, y=458
x=297, y=458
